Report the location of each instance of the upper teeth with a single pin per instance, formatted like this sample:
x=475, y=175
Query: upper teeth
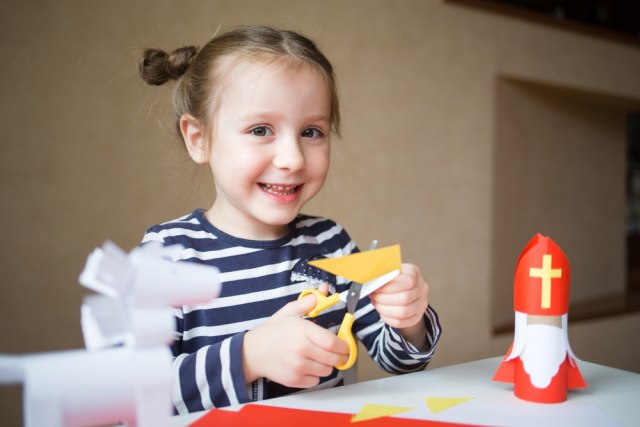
x=280, y=187
x=275, y=188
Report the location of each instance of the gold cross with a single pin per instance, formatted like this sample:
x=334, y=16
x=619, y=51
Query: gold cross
x=546, y=273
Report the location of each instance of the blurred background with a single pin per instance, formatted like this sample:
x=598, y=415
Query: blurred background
x=469, y=126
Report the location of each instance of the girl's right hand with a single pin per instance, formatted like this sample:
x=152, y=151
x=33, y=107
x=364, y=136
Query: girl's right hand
x=290, y=350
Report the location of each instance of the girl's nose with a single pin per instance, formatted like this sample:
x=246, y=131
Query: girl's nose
x=288, y=154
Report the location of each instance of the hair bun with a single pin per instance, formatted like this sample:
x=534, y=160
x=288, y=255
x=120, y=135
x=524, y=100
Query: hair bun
x=157, y=66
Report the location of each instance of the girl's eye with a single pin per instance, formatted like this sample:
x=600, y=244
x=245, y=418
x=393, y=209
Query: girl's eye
x=312, y=133
x=260, y=131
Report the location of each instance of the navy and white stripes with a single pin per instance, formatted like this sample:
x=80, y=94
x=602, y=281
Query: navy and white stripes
x=257, y=282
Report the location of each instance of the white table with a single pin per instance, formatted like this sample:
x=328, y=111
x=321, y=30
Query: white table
x=612, y=398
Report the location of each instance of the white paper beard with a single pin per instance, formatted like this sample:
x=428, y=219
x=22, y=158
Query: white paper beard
x=543, y=353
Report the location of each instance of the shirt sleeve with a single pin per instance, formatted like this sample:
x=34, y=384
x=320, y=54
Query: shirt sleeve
x=386, y=345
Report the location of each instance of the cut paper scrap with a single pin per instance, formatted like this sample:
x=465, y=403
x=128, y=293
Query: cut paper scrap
x=439, y=404
x=362, y=267
x=370, y=411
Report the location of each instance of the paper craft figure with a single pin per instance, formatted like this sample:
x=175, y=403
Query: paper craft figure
x=368, y=271
x=88, y=388
x=540, y=362
x=131, y=382
x=138, y=290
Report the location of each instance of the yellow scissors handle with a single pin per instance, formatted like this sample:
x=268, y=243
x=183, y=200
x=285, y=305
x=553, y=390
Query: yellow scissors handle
x=322, y=302
x=345, y=334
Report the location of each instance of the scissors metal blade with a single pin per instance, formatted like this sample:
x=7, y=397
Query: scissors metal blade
x=353, y=296
x=372, y=285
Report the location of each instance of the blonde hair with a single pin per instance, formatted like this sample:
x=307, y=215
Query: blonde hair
x=199, y=72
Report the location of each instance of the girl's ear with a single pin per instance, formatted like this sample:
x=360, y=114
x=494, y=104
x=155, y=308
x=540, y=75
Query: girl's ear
x=193, y=135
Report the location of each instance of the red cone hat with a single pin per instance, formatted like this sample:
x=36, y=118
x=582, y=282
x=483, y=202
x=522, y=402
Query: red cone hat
x=541, y=283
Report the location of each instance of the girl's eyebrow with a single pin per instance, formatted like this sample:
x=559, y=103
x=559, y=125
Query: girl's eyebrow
x=278, y=116
x=260, y=116
x=319, y=118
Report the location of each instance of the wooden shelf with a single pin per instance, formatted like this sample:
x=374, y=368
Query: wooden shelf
x=568, y=24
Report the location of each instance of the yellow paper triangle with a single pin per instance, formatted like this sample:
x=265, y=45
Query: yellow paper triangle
x=362, y=266
x=369, y=412
x=439, y=404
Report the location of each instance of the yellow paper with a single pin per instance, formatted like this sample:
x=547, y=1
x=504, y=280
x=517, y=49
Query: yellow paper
x=439, y=404
x=362, y=266
x=369, y=412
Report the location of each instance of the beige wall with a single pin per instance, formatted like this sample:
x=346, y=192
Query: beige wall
x=431, y=95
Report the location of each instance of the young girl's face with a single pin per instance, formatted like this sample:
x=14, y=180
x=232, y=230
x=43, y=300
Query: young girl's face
x=269, y=147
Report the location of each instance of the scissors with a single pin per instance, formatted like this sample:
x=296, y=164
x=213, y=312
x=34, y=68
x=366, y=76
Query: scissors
x=351, y=297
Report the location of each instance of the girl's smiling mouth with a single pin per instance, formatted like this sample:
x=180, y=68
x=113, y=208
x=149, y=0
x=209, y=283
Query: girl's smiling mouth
x=281, y=192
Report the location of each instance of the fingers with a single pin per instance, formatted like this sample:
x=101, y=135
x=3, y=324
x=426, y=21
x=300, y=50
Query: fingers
x=404, y=289
x=402, y=302
x=300, y=372
x=407, y=279
x=398, y=298
x=324, y=288
x=303, y=366
x=326, y=343
x=303, y=305
x=307, y=353
x=401, y=316
x=305, y=375
x=297, y=308
x=323, y=347
x=290, y=350
x=310, y=358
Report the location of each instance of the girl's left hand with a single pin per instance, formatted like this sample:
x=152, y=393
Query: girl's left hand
x=402, y=303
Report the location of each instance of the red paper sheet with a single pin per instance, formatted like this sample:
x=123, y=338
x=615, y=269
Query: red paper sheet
x=265, y=416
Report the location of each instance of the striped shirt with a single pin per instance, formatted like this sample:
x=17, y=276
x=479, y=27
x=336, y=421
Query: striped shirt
x=259, y=278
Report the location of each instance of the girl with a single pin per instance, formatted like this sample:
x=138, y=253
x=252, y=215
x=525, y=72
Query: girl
x=258, y=106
